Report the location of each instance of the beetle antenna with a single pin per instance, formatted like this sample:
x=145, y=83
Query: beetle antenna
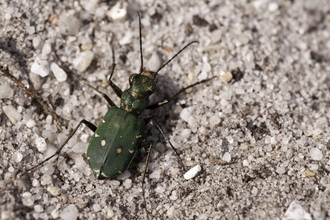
x=192, y=42
x=140, y=33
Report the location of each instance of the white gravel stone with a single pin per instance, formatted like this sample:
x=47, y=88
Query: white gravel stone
x=83, y=60
x=185, y=133
x=192, y=172
x=55, y=191
x=273, y=6
x=17, y=157
x=5, y=91
x=127, y=39
x=185, y=113
x=226, y=77
x=118, y=11
x=46, y=49
x=68, y=24
x=40, y=67
x=38, y=208
x=226, y=157
x=59, y=73
x=69, y=213
x=30, y=123
x=155, y=62
x=296, y=212
x=155, y=174
x=97, y=207
x=12, y=113
x=316, y=154
x=27, y=199
x=41, y=144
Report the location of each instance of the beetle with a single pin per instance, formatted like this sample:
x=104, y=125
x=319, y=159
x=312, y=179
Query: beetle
x=119, y=135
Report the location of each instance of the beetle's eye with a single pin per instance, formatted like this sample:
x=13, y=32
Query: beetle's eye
x=131, y=79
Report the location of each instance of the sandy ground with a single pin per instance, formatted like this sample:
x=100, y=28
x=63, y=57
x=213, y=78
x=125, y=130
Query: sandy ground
x=259, y=130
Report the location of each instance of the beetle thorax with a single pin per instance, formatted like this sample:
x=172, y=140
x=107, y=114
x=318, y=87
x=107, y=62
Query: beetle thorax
x=136, y=98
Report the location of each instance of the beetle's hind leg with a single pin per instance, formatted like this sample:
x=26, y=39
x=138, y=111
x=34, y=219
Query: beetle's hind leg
x=83, y=121
x=148, y=146
x=150, y=119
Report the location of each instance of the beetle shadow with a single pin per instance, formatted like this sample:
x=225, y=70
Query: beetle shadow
x=165, y=115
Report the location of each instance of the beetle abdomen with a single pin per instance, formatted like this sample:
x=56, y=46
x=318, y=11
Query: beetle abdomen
x=119, y=135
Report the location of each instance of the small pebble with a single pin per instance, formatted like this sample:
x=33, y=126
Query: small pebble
x=214, y=120
x=280, y=170
x=36, y=41
x=46, y=179
x=47, y=169
x=185, y=113
x=296, y=212
x=96, y=208
x=68, y=24
x=205, y=69
x=127, y=183
x=35, y=183
x=155, y=174
x=118, y=11
x=41, y=144
x=59, y=73
x=192, y=172
x=254, y=191
x=12, y=113
x=216, y=36
x=249, y=57
x=316, y=154
x=110, y=213
x=30, y=30
x=155, y=61
x=83, y=60
x=127, y=39
x=30, y=123
x=89, y=5
x=185, y=133
x=80, y=162
x=38, y=208
x=17, y=157
x=55, y=191
x=69, y=213
x=309, y=173
x=226, y=157
x=6, y=92
x=160, y=189
x=202, y=130
x=226, y=77
x=174, y=196
x=242, y=39
x=40, y=67
x=273, y=6
x=46, y=49
x=27, y=199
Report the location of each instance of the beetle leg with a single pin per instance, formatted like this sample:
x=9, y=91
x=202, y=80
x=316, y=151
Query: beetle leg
x=111, y=103
x=115, y=88
x=148, y=146
x=83, y=121
x=165, y=101
x=150, y=119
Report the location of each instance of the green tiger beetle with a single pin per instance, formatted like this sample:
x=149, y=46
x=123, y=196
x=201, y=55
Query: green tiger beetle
x=119, y=135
